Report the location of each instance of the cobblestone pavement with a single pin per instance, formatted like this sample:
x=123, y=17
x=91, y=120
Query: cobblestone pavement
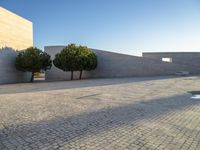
x=102, y=114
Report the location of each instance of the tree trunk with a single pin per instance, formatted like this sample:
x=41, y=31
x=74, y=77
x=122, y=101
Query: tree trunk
x=80, y=74
x=72, y=74
x=32, y=77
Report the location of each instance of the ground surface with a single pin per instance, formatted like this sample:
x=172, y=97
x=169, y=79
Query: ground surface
x=103, y=114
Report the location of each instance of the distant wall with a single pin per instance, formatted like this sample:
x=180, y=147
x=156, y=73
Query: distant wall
x=191, y=59
x=15, y=31
x=8, y=73
x=117, y=65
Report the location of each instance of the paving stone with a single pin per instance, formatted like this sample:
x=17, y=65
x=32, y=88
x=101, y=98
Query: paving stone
x=101, y=114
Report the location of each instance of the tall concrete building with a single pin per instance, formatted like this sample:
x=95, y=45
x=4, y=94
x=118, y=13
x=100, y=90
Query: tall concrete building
x=15, y=31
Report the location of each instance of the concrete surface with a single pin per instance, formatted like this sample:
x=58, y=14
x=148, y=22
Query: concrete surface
x=8, y=72
x=101, y=114
x=112, y=64
x=15, y=31
x=189, y=59
x=17, y=34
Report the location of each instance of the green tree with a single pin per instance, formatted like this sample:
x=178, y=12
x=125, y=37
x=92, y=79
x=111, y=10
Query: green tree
x=66, y=60
x=87, y=60
x=75, y=58
x=33, y=60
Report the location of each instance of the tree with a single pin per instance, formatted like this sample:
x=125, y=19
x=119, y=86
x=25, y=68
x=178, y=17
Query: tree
x=75, y=58
x=87, y=60
x=33, y=60
x=66, y=60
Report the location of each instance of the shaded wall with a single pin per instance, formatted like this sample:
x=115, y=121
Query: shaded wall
x=117, y=65
x=8, y=73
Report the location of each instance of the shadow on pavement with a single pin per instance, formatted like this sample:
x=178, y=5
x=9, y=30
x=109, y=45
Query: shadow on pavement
x=64, y=130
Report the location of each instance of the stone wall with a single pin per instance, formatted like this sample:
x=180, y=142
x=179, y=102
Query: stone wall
x=8, y=73
x=118, y=65
x=190, y=59
x=15, y=31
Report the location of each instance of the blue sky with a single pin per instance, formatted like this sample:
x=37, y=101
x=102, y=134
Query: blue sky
x=125, y=26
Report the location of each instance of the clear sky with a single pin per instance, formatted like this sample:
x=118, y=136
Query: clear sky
x=125, y=26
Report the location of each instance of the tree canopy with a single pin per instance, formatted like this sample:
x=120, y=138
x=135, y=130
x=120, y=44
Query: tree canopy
x=33, y=60
x=75, y=58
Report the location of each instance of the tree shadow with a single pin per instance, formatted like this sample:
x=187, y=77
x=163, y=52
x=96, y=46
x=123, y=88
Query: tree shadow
x=61, y=85
x=64, y=130
x=8, y=71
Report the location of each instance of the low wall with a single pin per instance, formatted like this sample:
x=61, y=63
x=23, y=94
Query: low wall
x=190, y=59
x=8, y=73
x=117, y=65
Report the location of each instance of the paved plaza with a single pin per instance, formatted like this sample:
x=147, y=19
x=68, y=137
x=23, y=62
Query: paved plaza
x=101, y=114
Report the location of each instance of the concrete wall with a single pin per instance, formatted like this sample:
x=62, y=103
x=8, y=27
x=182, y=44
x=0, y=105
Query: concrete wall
x=190, y=59
x=15, y=31
x=117, y=65
x=8, y=73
